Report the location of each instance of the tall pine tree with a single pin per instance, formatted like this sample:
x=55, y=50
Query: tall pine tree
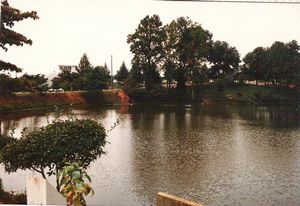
x=122, y=74
x=84, y=64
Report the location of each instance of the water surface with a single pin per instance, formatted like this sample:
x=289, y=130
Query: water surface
x=217, y=155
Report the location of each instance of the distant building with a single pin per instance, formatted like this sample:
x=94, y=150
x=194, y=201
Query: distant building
x=67, y=68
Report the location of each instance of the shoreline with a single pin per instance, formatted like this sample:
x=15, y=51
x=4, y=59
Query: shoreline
x=211, y=94
x=32, y=102
x=239, y=95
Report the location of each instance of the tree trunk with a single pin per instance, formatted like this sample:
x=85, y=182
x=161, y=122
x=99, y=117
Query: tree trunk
x=57, y=180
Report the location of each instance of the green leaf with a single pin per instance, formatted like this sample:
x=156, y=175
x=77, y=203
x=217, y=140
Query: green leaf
x=76, y=174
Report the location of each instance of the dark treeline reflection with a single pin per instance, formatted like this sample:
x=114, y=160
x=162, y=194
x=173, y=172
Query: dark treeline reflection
x=15, y=122
x=271, y=116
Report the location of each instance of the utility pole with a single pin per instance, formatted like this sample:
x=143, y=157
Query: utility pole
x=111, y=72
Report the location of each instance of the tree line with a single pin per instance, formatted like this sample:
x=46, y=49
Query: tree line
x=278, y=64
x=184, y=52
x=179, y=53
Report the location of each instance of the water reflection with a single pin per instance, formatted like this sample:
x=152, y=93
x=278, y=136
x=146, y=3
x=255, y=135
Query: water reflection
x=218, y=155
x=215, y=161
x=15, y=123
x=273, y=116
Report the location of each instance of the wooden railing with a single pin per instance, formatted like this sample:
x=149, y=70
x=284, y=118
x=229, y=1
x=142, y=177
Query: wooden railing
x=164, y=199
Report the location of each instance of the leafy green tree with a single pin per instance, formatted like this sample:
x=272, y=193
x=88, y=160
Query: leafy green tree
x=50, y=147
x=277, y=57
x=67, y=80
x=293, y=75
x=8, y=84
x=255, y=67
x=87, y=77
x=199, y=74
x=224, y=60
x=134, y=79
x=146, y=45
x=122, y=73
x=34, y=83
x=106, y=71
x=278, y=64
x=283, y=62
x=97, y=78
x=105, y=67
x=9, y=37
x=186, y=46
x=84, y=64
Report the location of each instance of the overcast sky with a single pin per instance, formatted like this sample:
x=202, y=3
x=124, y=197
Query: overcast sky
x=68, y=28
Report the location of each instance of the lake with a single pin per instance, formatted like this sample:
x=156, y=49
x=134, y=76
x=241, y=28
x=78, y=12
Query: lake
x=217, y=155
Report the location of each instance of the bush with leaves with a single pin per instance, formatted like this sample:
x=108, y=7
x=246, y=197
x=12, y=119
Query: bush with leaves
x=72, y=184
x=47, y=149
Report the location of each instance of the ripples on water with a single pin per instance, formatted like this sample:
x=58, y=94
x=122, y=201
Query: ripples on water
x=217, y=155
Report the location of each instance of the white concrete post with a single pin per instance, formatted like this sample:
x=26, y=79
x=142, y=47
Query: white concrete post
x=40, y=192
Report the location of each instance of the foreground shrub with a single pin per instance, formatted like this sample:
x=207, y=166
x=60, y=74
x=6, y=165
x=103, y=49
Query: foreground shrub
x=47, y=149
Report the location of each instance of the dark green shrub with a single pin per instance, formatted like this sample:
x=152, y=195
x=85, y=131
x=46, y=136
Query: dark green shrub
x=71, y=140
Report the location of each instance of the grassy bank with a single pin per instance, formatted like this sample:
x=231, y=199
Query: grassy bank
x=213, y=94
x=27, y=101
